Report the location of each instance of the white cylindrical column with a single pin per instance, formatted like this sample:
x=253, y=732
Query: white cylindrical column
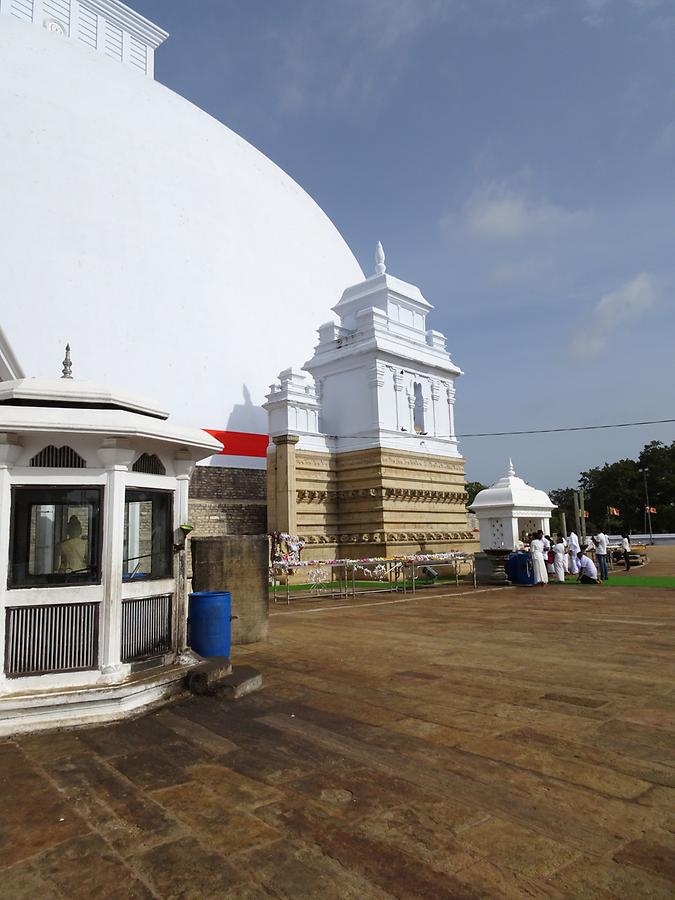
x=113, y=547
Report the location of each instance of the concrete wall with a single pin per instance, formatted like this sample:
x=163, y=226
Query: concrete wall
x=239, y=564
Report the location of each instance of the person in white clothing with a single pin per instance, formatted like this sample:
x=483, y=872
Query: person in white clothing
x=538, y=560
x=559, y=560
x=601, y=542
x=625, y=546
x=574, y=548
x=588, y=574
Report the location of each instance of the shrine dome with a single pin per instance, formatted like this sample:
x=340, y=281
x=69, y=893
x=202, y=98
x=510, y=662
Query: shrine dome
x=174, y=257
x=511, y=493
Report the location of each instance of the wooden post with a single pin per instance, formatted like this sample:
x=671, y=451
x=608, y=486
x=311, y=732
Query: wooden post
x=582, y=514
x=576, y=511
x=563, y=524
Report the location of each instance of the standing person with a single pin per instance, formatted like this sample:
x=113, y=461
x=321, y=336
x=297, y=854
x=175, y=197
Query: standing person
x=574, y=548
x=625, y=546
x=601, y=542
x=538, y=560
x=588, y=574
x=548, y=553
x=559, y=560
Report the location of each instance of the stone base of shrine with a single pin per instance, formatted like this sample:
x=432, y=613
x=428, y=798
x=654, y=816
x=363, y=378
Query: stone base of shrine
x=41, y=710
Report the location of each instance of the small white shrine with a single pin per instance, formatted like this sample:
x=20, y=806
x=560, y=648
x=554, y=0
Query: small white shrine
x=509, y=508
x=93, y=494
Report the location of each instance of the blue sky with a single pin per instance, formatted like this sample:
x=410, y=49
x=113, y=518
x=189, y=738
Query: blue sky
x=517, y=160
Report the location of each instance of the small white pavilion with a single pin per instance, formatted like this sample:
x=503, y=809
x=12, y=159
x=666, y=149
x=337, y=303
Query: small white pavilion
x=93, y=494
x=507, y=509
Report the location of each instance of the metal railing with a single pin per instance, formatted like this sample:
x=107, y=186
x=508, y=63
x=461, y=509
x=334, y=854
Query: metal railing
x=346, y=578
x=146, y=627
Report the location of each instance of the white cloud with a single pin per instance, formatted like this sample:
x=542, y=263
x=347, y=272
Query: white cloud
x=343, y=53
x=503, y=213
x=629, y=303
x=595, y=11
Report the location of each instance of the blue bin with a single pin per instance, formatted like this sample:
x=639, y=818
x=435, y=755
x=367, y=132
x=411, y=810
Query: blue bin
x=209, y=617
x=518, y=568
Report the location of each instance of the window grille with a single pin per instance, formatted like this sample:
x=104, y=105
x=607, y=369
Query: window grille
x=22, y=9
x=149, y=464
x=59, y=10
x=56, y=638
x=58, y=458
x=146, y=627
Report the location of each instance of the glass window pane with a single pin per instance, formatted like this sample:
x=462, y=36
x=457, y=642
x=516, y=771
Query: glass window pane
x=55, y=537
x=148, y=533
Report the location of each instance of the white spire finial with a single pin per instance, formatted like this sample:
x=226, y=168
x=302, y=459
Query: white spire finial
x=511, y=471
x=380, y=267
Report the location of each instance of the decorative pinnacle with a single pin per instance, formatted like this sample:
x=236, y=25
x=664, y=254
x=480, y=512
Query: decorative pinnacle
x=511, y=472
x=67, y=364
x=380, y=267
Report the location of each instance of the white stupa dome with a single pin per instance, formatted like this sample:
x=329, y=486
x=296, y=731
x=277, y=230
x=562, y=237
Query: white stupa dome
x=175, y=258
x=511, y=493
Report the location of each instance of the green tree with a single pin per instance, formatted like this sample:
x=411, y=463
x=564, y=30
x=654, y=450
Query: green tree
x=564, y=500
x=659, y=459
x=473, y=488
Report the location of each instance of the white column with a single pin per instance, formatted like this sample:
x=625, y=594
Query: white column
x=5, y=495
x=100, y=33
x=74, y=19
x=398, y=398
x=435, y=397
x=515, y=537
x=116, y=456
x=375, y=383
x=113, y=546
x=451, y=410
x=411, y=408
x=183, y=469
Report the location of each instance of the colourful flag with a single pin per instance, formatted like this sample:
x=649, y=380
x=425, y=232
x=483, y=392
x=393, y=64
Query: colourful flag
x=587, y=515
x=613, y=511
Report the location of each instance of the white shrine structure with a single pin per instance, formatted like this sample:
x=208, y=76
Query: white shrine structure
x=363, y=457
x=93, y=494
x=509, y=508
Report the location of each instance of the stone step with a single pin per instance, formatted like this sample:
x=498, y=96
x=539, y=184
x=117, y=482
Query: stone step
x=203, y=679
x=243, y=680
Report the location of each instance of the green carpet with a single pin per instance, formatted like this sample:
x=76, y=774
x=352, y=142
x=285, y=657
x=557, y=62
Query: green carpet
x=657, y=581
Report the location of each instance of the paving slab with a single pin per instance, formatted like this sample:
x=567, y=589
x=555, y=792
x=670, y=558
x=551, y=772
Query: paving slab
x=503, y=743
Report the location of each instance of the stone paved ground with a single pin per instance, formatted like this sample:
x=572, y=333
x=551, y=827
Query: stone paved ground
x=503, y=743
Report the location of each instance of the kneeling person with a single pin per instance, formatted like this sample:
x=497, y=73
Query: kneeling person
x=588, y=574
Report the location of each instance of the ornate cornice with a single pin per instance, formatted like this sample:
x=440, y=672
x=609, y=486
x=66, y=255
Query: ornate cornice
x=388, y=537
x=408, y=495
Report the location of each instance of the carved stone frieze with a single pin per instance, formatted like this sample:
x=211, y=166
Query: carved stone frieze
x=410, y=495
x=389, y=537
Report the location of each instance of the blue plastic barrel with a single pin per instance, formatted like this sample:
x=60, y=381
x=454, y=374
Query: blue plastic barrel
x=209, y=615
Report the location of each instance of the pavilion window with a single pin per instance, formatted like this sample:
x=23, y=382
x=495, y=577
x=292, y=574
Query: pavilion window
x=148, y=535
x=418, y=410
x=55, y=537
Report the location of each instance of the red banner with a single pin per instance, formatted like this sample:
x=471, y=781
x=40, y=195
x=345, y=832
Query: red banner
x=241, y=443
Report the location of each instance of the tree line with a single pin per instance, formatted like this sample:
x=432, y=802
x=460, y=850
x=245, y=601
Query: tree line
x=620, y=486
